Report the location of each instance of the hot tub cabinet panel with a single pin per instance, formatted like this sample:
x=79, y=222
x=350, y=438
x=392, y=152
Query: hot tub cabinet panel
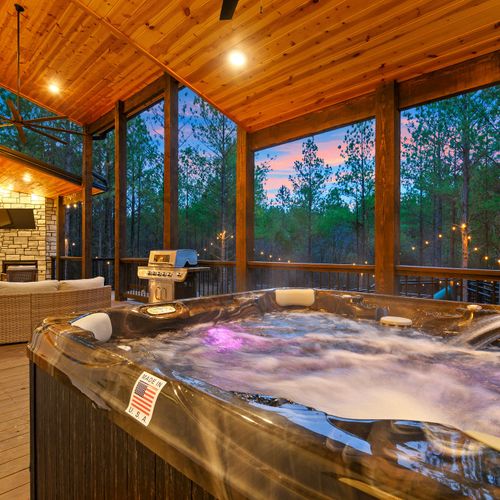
x=204, y=442
x=79, y=453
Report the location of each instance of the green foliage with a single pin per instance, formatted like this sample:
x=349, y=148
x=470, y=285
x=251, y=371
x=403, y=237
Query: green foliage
x=207, y=182
x=450, y=177
x=327, y=216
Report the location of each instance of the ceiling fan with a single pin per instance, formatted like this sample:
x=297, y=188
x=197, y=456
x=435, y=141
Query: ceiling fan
x=227, y=10
x=35, y=124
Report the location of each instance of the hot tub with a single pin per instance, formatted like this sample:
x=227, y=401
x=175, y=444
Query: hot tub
x=271, y=394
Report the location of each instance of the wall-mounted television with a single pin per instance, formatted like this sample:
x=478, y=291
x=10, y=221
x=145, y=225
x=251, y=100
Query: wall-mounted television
x=17, y=218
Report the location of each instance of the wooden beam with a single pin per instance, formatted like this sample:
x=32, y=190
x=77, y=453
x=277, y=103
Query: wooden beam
x=387, y=188
x=469, y=75
x=244, y=209
x=87, y=181
x=120, y=197
x=60, y=246
x=170, y=172
x=132, y=106
x=338, y=115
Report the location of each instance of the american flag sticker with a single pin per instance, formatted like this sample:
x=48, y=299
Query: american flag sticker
x=142, y=402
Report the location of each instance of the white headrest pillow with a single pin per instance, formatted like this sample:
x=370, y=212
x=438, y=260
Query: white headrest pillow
x=97, y=323
x=295, y=297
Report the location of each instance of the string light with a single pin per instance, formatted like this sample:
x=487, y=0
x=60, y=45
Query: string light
x=453, y=228
x=440, y=235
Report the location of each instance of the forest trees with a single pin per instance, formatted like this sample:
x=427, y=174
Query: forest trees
x=308, y=188
x=450, y=210
x=323, y=212
x=356, y=180
x=207, y=178
x=326, y=213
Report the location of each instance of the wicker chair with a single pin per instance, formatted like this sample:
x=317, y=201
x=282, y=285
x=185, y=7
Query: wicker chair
x=21, y=313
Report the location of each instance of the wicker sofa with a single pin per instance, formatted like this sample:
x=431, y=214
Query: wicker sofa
x=21, y=313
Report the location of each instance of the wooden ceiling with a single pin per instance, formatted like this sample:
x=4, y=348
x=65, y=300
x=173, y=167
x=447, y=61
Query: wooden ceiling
x=303, y=55
x=21, y=173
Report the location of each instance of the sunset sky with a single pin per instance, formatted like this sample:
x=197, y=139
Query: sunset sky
x=282, y=157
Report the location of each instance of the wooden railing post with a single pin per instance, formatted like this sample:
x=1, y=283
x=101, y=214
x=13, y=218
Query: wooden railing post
x=387, y=188
x=120, y=197
x=60, y=234
x=244, y=209
x=87, y=182
x=171, y=174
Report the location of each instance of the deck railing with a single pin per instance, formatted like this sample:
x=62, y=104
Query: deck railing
x=333, y=276
x=473, y=285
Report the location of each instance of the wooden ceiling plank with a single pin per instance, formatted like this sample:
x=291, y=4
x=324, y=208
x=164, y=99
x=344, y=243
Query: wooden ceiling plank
x=63, y=25
x=407, y=46
x=378, y=48
x=118, y=33
x=313, y=104
x=348, y=38
x=257, y=123
x=128, y=73
x=185, y=38
x=288, y=43
x=212, y=44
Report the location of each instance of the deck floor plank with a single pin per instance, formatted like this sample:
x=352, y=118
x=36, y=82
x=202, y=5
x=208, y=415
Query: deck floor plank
x=14, y=423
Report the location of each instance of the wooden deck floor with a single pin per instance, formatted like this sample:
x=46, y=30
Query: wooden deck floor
x=14, y=423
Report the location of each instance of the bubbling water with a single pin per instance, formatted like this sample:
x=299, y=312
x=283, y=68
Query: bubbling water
x=346, y=368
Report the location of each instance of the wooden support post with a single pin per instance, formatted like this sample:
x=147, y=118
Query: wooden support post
x=87, y=181
x=60, y=235
x=171, y=174
x=387, y=188
x=120, y=197
x=244, y=209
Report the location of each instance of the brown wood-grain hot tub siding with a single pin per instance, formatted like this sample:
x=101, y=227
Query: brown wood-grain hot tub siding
x=78, y=453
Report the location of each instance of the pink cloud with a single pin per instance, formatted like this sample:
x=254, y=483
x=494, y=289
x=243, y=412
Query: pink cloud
x=282, y=157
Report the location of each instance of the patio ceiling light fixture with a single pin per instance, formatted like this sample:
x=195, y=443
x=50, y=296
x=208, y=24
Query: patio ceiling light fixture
x=54, y=88
x=237, y=58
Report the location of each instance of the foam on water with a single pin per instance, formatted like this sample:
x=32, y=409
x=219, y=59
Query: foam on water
x=346, y=368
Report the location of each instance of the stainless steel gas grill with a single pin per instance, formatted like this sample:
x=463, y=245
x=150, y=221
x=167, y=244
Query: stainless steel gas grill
x=171, y=274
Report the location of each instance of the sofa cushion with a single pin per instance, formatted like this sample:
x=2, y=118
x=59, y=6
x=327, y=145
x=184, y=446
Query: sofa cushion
x=84, y=284
x=9, y=287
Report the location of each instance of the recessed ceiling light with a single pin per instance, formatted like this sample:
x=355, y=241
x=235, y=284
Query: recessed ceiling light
x=237, y=58
x=27, y=178
x=54, y=88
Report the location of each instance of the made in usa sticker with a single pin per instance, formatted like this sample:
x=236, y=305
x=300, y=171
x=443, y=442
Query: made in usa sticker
x=142, y=402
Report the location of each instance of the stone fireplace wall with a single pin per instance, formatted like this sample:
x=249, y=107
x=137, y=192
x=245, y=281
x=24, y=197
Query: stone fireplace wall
x=30, y=244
